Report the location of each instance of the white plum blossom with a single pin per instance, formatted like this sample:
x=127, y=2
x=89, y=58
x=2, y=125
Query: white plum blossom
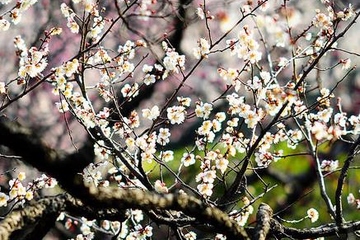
x=202, y=50
x=163, y=136
x=166, y=156
x=149, y=79
x=32, y=61
x=3, y=199
x=200, y=13
x=350, y=198
x=190, y=236
x=222, y=164
x=251, y=118
x=4, y=25
x=245, y=46
x=2, y=88
x=188, y=159
x=329, y=165
x=152, y=113
x=205, y=189
x=173, y=61
x=176, y=114
x=184, y=101
x=313, y=214
x=130, y=91
x=160, y=187
x=203, y=110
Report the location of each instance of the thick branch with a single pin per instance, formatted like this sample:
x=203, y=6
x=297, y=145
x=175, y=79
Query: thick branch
x=30, y=215
x=341, y=180
x=136, y=198
x=321, y=231
x=263, y=218
x=36, y=219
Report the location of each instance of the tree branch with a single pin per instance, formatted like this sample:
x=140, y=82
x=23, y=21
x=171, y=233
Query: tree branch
x=263, y=218
x=65, y=168
x=23, y=219
x=341, y=181
x=145, y=200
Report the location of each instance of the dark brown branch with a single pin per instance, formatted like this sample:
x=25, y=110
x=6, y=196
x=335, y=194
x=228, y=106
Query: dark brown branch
x=145, y=200
x=24, y=218
x=341, y=181
x=36, y=219
x=263, y=218
x=327, y=230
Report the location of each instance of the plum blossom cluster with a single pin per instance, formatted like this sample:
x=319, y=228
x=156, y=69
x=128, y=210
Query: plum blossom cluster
x=145, y=9
x=213, y=161
x=325, y=125
x=79, y=104
x=243, y=215
x=74, y=100
x=173, y=61
x=90, y=7
x=70, y=16
x=33, y=61
x=206, y=132
x=325, y=21
x=15, y=14
x=202, y=50
x=275, y=25
x=113, y=69
x=93, y=174
x=271, y=99
x=133, y=228
x=245, y=46
x=236, y=141
x=177, y=114
x=255, y=96
x=329, y=165
x=20, y=193
x=190, y=235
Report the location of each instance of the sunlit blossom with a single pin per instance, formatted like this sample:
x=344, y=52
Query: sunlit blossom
x=188, y=159
x=167, y=156
x=222, y=164
x=350, y=198
x=160, y=187
x=205, y=189
x=2, y=88
x=184, y=101
x=220, y=236
x=152, y=113
x=3, y=199
x=174, y=61
x=313, y=214
x=329, y=165
x=345, y=63
x=200, y=13
x=190, y=236
x=176, y=114
x=202, y=50
x=4, y=25
x=203, y=110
